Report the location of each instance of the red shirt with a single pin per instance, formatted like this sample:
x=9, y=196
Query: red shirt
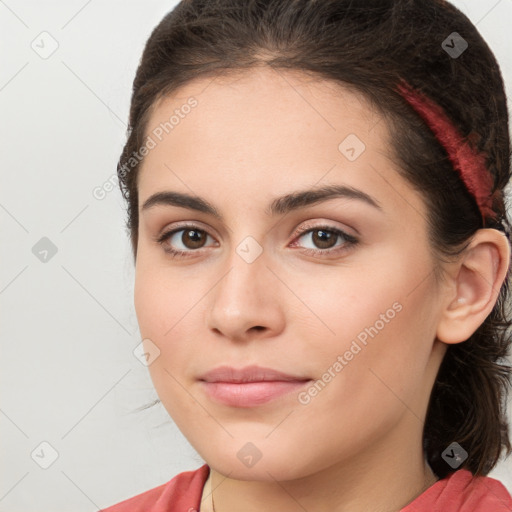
x=458, y=492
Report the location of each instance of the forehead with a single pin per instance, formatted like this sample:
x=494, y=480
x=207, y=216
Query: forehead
x=260, y=101
x=269, y=131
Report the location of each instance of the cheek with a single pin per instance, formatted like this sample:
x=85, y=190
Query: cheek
x=168, y=313
x=374, y=330
x=164, y=312
x=372, y=371
x=162, y=298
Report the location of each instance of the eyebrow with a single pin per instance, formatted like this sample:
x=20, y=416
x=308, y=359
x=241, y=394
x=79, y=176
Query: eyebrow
x=278, y=206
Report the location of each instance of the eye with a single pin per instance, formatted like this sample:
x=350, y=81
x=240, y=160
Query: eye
x=325, y=237
x=191, y=239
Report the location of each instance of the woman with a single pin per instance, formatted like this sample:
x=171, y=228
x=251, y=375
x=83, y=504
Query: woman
x=321, y=244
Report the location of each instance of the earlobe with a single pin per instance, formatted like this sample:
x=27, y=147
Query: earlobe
x=477, y=279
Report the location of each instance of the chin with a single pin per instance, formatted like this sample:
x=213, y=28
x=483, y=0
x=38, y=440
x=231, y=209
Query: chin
x=259, y=461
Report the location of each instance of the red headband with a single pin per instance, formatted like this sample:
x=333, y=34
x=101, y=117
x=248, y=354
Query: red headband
x=469, y=164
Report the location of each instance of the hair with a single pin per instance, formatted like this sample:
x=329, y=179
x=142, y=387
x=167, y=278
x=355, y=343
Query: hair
x=369, y=46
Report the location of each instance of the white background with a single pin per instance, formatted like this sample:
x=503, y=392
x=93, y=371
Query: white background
x=68, y=374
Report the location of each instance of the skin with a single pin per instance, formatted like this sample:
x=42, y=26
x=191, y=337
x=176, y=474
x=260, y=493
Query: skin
x=357, y=444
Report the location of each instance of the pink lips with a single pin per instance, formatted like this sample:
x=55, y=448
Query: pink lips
x=249, y=386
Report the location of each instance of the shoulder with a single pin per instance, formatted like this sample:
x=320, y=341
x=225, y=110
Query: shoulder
x=183, y=493
x=462, y=492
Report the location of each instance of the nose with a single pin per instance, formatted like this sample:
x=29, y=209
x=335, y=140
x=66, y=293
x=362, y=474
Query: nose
x=246, y=302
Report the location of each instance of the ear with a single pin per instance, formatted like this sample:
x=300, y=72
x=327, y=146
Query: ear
x=474, y=284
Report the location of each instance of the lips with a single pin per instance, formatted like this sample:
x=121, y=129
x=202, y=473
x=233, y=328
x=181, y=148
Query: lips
x=249, y=374
x=250, y=386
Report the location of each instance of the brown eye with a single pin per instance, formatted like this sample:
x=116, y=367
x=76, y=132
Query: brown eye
x=183, y=241
x=323, y=239
x=193, y=238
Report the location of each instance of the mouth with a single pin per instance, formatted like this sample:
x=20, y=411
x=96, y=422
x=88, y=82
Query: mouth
x=250, y=386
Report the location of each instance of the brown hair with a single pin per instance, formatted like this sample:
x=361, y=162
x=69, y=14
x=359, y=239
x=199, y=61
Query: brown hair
x=370, y=46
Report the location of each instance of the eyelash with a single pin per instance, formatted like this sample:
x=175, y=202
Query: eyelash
x=350, y=241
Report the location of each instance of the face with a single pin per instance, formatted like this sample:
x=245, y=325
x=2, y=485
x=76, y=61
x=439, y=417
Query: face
x=338, y=290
